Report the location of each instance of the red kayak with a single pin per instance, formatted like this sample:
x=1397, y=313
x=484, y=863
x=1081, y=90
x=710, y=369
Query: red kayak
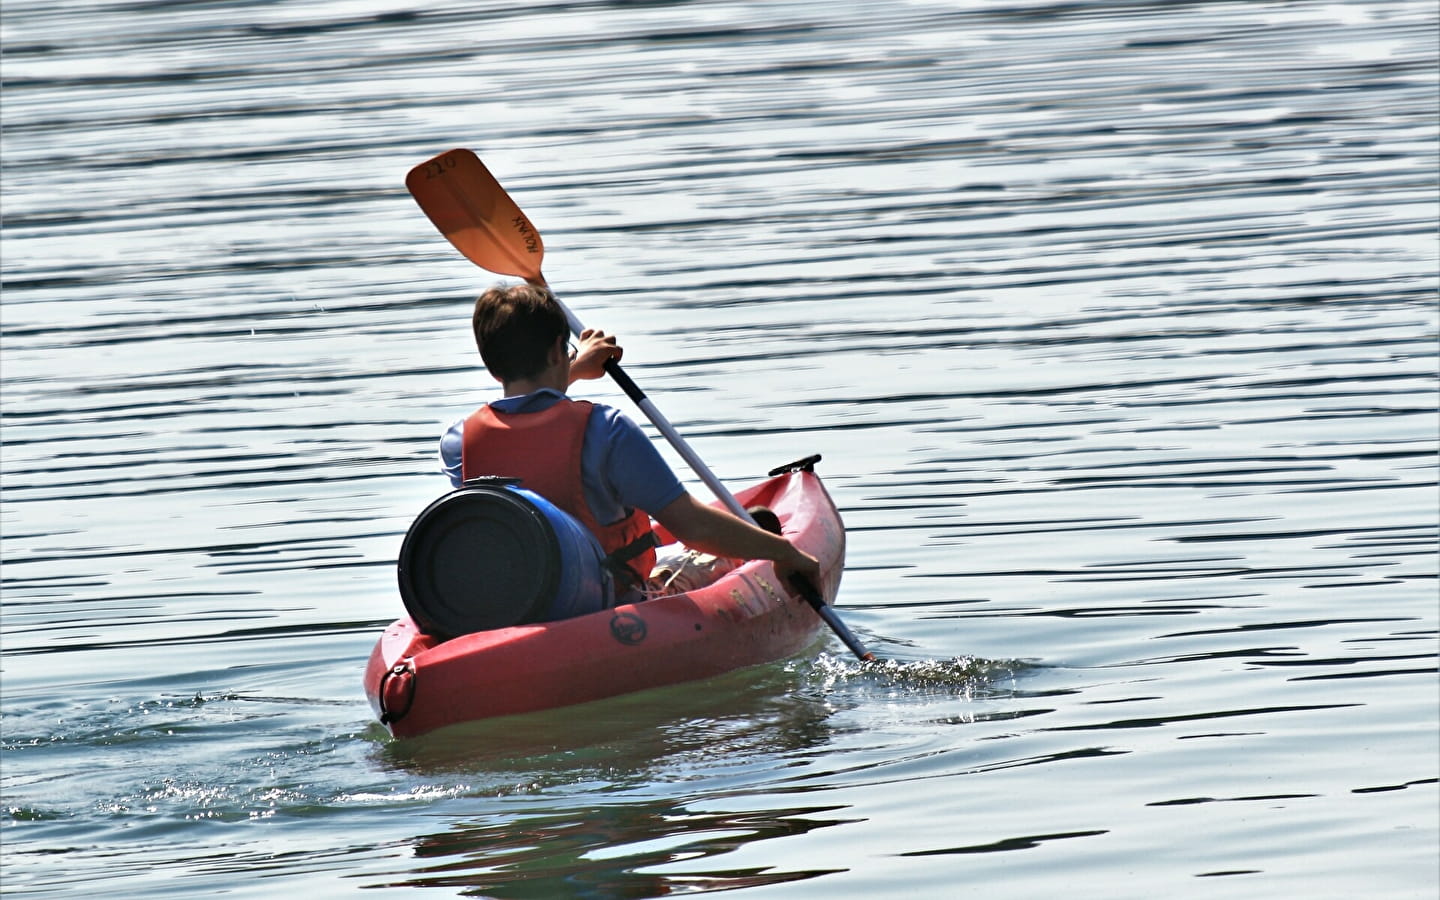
x=417, y=683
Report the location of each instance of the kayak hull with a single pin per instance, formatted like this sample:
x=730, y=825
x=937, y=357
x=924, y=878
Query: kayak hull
x=417, y=683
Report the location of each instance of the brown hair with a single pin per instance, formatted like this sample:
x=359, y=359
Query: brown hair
x=515, y=327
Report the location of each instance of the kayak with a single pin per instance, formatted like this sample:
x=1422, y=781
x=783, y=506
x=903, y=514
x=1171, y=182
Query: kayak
x=417, y=682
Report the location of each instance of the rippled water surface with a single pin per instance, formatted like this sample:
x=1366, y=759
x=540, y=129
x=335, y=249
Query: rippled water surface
x=1115, y=322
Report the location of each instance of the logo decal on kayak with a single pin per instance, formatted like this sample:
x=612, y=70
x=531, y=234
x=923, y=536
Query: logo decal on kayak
x=628, y=628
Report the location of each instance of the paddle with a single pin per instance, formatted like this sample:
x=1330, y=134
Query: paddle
x=472, y=210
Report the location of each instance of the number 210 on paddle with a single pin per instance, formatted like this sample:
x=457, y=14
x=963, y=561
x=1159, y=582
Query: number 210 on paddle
x=437, y=166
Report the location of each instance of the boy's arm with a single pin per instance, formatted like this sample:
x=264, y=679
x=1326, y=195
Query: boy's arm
x=720, y=533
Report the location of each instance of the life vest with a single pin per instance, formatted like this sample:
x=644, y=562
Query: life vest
x=543, y=450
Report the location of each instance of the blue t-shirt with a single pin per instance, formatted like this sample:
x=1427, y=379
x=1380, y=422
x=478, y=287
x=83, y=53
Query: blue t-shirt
x=619, y=467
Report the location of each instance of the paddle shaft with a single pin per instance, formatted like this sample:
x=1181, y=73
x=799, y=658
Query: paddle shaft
x=468, y=205
x=657, y=418
x=799, y=582
x=632, y=390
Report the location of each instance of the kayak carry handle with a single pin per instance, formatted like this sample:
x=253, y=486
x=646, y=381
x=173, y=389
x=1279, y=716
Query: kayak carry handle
x=398, y=681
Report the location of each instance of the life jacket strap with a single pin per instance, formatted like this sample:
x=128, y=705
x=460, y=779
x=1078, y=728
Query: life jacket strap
x=617, y=561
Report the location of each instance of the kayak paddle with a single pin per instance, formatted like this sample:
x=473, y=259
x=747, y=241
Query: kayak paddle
x=472, y=210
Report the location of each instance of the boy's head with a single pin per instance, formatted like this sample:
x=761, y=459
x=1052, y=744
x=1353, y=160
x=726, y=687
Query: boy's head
x=516, y=327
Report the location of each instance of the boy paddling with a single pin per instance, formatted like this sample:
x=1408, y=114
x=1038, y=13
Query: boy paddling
x=588, y=459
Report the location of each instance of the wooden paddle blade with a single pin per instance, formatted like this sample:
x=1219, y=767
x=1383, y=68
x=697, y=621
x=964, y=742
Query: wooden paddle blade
x=475, y=214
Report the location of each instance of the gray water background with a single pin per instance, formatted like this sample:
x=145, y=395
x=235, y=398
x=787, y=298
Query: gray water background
x=1115, y=323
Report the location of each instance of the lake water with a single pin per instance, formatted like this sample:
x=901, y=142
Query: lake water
x=1115, y=323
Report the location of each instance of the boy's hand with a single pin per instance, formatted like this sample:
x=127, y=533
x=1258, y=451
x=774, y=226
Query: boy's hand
x=798, y=562
x=595, y=349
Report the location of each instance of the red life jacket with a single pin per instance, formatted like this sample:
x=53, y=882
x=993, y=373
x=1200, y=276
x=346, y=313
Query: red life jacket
x=542, y=449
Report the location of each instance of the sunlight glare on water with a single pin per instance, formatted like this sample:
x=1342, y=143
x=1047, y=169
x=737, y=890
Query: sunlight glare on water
x=1115, y=325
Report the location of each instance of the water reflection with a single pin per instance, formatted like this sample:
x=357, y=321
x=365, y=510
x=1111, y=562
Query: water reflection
x=567, y=822
x=646, y=848
x=756, y=714
x=751, y=715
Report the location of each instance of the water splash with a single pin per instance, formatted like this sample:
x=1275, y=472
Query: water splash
x=964, y=676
